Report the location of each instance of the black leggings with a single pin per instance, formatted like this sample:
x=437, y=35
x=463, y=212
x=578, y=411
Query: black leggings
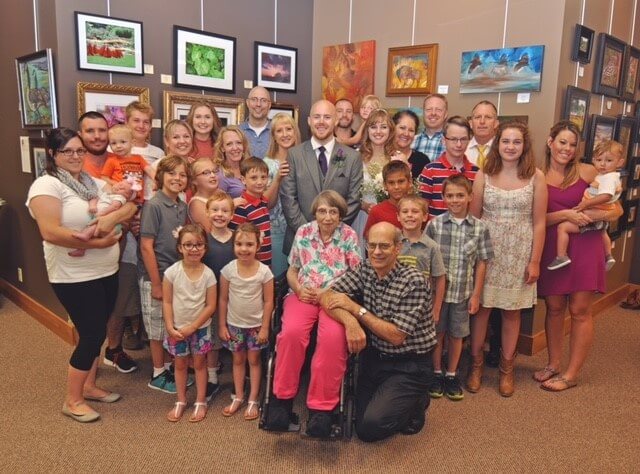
x=89, y=304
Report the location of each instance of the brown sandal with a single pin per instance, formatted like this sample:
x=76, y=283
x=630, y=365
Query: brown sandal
x=252, y=412
x=233, y=407
x=199, y=412
x=177, y=411
x=545, y=374
x=558, y=384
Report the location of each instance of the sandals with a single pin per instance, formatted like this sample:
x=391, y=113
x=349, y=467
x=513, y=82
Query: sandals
x=558, y=384
x=233, y=407
x=177, y=411
x=632, y=301
x=545, y=374
x=252, y=412
x=199, y=412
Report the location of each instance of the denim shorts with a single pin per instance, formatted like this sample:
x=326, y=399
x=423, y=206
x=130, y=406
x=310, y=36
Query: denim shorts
x=454, y=319
x=198, y=343
x=243, y=339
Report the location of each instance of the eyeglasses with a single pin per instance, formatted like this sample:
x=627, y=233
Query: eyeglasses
x=189, y=246
x=331, y=212
x=207, y=172
x=69, y=153
x=259, y=100
x=457, y=140
x=371, y=246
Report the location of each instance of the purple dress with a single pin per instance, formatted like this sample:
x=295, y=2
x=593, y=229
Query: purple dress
x=586, y=251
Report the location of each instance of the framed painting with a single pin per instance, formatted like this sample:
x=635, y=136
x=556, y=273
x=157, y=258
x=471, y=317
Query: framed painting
x=36, y=90
x=602, y=128
x=630, y=73
x=109, y=44
x=582, y=44
x=576, y=108
x=607, y=73
x=289, y=109
x=203, y=60
x=276, y=67
x=177, y=105
x=512, y=118
x=108, y=99
x=411, y=70
x=625, y=130
x=38, y=151
x=502, y=70
x=348, y=71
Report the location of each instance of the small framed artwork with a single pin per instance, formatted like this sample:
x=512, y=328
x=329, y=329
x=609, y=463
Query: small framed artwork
x=630, y=73
x=37, y=148
x=602, y=128
x=576, y=108
x=582, y=44
x=634, y=171
x=289, y=109
x=630, y=214
x=177, y=105
x=108, y=99
x=203, y=60
x=37, y=91
x=276, y=67
x=109, y=44
x=411, y=70
x=625, y=130
x=607, y=74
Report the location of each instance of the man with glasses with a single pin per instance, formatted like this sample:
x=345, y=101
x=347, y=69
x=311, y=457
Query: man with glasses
x=257, y=127
x=315, y=165
x=386, y=309
x=435, y=113
x=456, y=136
x=484, y=123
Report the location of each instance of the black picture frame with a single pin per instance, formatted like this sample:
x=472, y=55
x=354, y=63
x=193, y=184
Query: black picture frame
x=582, y=44
x=601, y=128
x=630, y=214
x=637, y=115
x=38, y=154
x=607, y=73
x=625, y=133
x=576, y=108
x=276, y=67
x=633, y=170
x=630, y=73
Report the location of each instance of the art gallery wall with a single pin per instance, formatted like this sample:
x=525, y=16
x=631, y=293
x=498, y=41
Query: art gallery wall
x=247, y=20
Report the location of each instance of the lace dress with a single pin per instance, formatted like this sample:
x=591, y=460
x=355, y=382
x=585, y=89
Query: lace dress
x=370, y=182
x=509, y=216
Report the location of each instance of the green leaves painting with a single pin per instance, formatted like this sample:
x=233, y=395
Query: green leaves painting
x=205, y=61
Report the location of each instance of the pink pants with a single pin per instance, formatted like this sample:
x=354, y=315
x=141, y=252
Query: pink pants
x=329, y=360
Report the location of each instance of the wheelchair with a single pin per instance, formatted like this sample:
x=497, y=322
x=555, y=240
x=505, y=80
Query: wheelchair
x=344, y=413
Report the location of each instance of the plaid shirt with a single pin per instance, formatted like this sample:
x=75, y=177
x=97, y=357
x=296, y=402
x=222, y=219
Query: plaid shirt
x=430, y=146
x=461, y=246
x=401, y=298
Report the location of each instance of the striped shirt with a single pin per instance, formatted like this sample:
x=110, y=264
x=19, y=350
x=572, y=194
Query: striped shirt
x=432, y=146
x=255, y=211
x=432, y=177
x=461, y=246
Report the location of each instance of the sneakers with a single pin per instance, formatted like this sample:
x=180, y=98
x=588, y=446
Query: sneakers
x=609, y=262
x=119, y=359
x=190, y=374
x=212, y=390
x=163, y=382
x=452, y=388
x=559, y=262
x=436, y=388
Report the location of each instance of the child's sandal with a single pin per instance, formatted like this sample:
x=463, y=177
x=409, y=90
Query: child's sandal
x=252, y=412
x=177, y=411
x=199, y=412
x=233, y=407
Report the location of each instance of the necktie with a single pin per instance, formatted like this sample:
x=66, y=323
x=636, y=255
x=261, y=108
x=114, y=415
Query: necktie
x=481, y=156
x=322, y=160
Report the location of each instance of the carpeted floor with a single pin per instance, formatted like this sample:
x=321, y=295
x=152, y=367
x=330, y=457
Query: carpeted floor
x=592, y=428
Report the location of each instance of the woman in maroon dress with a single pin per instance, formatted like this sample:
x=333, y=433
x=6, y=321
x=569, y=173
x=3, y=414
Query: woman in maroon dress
x=572, y=286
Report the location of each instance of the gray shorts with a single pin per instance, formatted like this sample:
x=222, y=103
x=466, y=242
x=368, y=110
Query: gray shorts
x=128, y=299
x=454, y=319
x=151, y=312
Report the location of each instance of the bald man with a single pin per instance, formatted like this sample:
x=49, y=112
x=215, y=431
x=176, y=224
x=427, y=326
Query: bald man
x=257, y=127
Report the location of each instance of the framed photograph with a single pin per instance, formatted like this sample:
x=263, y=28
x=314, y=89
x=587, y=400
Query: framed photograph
x=108, y=99
x=582, y=44
x=276, y=67
x=576, y=108
x=625, y=131
x=630, y=214
x=38, y=151
x=411, y=70
x=634, y=171
x=630, y=73
x=607, y=74
x=109, y=44
x=502, y=70
x=602, y=128
x=289, y=109
x=203, y=60
x=177, y=105
x=37, y=91
x=348, y=71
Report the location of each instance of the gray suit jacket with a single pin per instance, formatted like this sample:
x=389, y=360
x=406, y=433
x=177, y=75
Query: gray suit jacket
x=305, y=182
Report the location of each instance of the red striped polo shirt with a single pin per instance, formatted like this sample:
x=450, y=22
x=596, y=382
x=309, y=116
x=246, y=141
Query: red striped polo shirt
x=255, y=211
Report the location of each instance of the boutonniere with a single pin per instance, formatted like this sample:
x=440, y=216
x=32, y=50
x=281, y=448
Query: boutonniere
x=339, y=158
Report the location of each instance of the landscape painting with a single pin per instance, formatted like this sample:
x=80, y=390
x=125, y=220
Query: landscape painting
x=36, y=88
x=348, y=71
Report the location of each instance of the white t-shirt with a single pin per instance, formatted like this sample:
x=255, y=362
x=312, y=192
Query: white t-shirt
x=608, y=183
x=151, y=154
x=245, y=308
x=62, y=268
x=189, y=296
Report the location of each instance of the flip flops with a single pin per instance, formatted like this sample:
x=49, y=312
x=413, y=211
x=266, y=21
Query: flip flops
x=199, y=412
x=632, y=301
x=177, y=411
x=558, y=384
x=252, y=412
x=233, y=407
x=545, y=374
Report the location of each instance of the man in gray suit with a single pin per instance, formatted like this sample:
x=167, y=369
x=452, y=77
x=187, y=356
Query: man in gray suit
x=318, y=164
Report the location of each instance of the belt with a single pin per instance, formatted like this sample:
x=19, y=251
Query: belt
x=399, y=356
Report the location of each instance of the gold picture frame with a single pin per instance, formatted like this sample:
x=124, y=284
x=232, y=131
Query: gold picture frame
x=108, y=99
x=176, y=105
x=411, y=70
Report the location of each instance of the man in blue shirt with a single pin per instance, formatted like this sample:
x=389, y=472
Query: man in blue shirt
x=435, y=112
x=257, y=128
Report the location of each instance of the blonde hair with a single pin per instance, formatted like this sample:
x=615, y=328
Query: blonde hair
x=196, y=167
x=140, y=107
x=612, y=146
x=278, y=119
x=172, y=125
x=120, y=130
x=220, y=195
x=418, y=200
x=219, y=156
x=374, y=100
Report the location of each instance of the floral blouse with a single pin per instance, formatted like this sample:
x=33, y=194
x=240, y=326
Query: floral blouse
x=319, y=264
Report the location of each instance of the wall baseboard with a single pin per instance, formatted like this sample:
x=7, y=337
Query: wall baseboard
x=63, y=329
x=531, y=344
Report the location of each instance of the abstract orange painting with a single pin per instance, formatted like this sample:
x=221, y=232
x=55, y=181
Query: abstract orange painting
x=348, y=71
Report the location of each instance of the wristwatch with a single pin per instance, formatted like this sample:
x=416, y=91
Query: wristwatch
x=361, y=312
